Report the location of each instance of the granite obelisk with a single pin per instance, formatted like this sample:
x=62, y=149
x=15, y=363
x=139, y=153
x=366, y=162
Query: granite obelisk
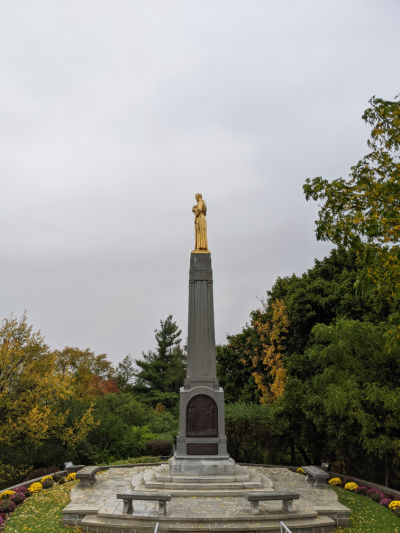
x=201, y=442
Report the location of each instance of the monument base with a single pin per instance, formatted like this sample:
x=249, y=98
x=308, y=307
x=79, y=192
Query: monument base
x=192, y=465
x=201, y=443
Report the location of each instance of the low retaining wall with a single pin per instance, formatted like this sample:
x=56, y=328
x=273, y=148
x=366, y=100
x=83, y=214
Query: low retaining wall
x=36, y=479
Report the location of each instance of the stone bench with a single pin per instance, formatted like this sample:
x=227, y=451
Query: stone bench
x=287, y=499
x=159, y=497
x=86, y=476
x=316, y=475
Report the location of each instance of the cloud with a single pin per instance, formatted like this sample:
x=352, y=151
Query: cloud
x=113, y=115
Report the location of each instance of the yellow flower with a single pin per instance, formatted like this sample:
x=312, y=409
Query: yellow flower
x=394, y=505
x=45, y=477
x=71, y=476
x=35, y=487
x=5, y=493
x=351, y=486
x=335, y=481
x=300, y=471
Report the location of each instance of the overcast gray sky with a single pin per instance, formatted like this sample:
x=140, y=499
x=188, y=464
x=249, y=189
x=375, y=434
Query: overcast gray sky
x=113, y=114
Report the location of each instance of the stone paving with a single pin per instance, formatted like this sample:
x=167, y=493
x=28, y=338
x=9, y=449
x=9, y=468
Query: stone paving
x=100, y=499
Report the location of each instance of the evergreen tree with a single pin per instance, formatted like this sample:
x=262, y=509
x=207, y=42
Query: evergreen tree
x=162, y=370
x=125, y=374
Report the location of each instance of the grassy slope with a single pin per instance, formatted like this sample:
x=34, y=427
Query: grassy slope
x=41, y=513
x=366, y=515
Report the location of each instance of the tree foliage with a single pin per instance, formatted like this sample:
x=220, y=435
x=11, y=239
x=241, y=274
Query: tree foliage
x=281, y=328
x=234, y=376
x=350, y=394
x=366, y=207
x=333, y=297
x=269, y=371
x=125, y=374
x=250, y=366
x=253, y=433
x=90, y=374
x=162, y=371
x=33, y=395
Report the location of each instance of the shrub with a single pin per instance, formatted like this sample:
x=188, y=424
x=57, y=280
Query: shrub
x=351, y=486
x=21, y=489
x=253, y=434
x=41, y=472
x=374, y=494
x=158, y=447
x=1, y=521
x=35, y=487
x=71, y=476
x=385, y=502
x=394, y=505
x=6, y=494
x=137, y=460
x=62, y=480
x=48, y=483
x=7, y=506
x=46, y=477
x=335, y=481
x=17, y=498
x=361, y=489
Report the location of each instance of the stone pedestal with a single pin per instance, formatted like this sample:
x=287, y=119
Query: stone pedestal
x=201, y=442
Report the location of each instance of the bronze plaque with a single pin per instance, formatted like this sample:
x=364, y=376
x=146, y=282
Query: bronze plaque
x=202, y=417
x=202, y=448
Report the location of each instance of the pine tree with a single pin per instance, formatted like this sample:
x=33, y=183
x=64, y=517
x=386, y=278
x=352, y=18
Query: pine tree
x=162, y=370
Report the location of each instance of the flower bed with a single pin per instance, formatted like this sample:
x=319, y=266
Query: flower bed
x=11, y=499
x=374, y=494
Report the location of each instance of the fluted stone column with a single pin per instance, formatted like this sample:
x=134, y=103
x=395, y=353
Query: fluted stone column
x=201, y=442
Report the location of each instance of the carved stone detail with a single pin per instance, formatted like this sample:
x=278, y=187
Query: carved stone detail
x=201, y=417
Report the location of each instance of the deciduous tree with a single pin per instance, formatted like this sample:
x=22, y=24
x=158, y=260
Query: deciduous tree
x=33, y=395
x=365, y=209
x=90, y=374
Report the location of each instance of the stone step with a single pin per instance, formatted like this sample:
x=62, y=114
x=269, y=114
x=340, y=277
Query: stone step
x=220, y=493
x=207, y=487
x=201, y=479
x=315, y=525
x=270, y=523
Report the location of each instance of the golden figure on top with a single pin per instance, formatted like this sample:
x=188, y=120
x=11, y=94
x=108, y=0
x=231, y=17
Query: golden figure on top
x=200, y=225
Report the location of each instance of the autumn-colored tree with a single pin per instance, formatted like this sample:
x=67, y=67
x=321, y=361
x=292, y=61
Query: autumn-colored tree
x=267, y=355
x=365, y=209
x=90, y=374
x=33, y=394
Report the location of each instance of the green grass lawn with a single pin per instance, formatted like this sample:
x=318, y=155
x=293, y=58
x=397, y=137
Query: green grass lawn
x=366, y=515
x=42, y=512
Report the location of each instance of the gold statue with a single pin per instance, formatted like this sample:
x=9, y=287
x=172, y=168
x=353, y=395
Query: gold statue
x=200, y=225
